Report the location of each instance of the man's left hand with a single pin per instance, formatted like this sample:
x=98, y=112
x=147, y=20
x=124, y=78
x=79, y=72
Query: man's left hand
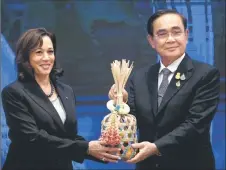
x=146, y=149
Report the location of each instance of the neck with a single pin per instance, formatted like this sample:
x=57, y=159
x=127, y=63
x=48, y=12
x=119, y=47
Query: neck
x=43, y=80
x=166, y=62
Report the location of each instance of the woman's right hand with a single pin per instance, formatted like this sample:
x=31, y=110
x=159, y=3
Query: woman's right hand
x=99, y=150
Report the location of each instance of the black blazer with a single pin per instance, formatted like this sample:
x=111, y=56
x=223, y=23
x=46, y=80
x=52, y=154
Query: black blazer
x=39, y=139
x=180, y=126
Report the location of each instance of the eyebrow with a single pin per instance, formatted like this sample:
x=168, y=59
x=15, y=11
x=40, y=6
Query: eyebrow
x=176, y=28
x=161, y=31
x=173, y=28
x=50, y=48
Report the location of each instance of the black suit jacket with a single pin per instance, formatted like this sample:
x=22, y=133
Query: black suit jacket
x=180, y=126
x=39, y=139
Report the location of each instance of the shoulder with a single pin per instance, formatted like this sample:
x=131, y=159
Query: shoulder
x=141, y=74
x=63, y=85
x=205, y=69
x=14, y=86
x=65, y=88
x=141, y=71
x=144, y=70
x=203, y=66
x=13, y=89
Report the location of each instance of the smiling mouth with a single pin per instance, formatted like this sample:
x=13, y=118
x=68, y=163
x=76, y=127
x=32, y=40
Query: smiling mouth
x=45, y=66
x=170, y=48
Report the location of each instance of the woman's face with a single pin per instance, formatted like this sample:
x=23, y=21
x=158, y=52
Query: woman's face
x=42, y=58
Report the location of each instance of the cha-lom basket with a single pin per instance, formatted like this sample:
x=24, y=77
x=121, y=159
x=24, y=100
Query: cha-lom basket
x=119, y=128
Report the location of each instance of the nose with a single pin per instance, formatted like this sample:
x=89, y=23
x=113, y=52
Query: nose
x=170, y=38
x=45, y=56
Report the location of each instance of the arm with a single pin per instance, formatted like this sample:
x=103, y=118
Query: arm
x=23, y=129
x=201, y=113
x=96, y=150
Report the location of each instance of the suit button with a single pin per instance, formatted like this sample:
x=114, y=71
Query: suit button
x=157, y=165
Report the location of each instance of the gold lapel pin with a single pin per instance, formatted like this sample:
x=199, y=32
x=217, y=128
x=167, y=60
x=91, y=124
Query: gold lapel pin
x=177, y=76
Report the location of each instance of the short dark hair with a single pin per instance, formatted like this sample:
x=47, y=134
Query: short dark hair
x=160, y=13
x=25, y=45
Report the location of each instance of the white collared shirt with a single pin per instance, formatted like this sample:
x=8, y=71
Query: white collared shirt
x=172, y=67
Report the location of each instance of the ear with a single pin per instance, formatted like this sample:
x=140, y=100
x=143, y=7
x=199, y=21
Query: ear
x=186, y=34
x=151, y=41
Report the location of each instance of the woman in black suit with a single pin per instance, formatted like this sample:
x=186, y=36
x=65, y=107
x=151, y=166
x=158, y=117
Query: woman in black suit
x=40, y=112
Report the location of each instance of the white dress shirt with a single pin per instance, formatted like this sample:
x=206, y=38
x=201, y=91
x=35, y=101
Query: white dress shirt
x=172, y=67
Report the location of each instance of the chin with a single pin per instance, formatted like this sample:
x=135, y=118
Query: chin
x=174, y=54
x=45, y=73
x=48, y=71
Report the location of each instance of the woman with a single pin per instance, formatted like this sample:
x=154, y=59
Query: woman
x=40, y=112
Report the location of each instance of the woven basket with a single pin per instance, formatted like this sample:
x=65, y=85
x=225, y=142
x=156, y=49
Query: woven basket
x=119, y=130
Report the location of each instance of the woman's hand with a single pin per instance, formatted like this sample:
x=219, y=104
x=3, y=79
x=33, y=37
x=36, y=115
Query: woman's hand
x=100, y=151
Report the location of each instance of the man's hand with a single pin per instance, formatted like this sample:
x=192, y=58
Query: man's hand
x=113, y=94
x=146, y=149
x=98, y=150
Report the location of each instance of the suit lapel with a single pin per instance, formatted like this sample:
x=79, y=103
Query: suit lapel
x=38, y=96
x=185, y=68
x=152, y=80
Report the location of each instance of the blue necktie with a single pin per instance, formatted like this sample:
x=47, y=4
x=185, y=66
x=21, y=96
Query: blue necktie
x=164, y=84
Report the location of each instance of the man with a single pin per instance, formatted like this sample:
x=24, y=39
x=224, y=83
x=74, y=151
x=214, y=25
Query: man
x=174, y=101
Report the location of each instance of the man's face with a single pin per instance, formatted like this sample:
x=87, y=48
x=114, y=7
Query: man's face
x=169, y=37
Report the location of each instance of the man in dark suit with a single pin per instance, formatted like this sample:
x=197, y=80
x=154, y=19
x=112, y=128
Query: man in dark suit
x=174, y=101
